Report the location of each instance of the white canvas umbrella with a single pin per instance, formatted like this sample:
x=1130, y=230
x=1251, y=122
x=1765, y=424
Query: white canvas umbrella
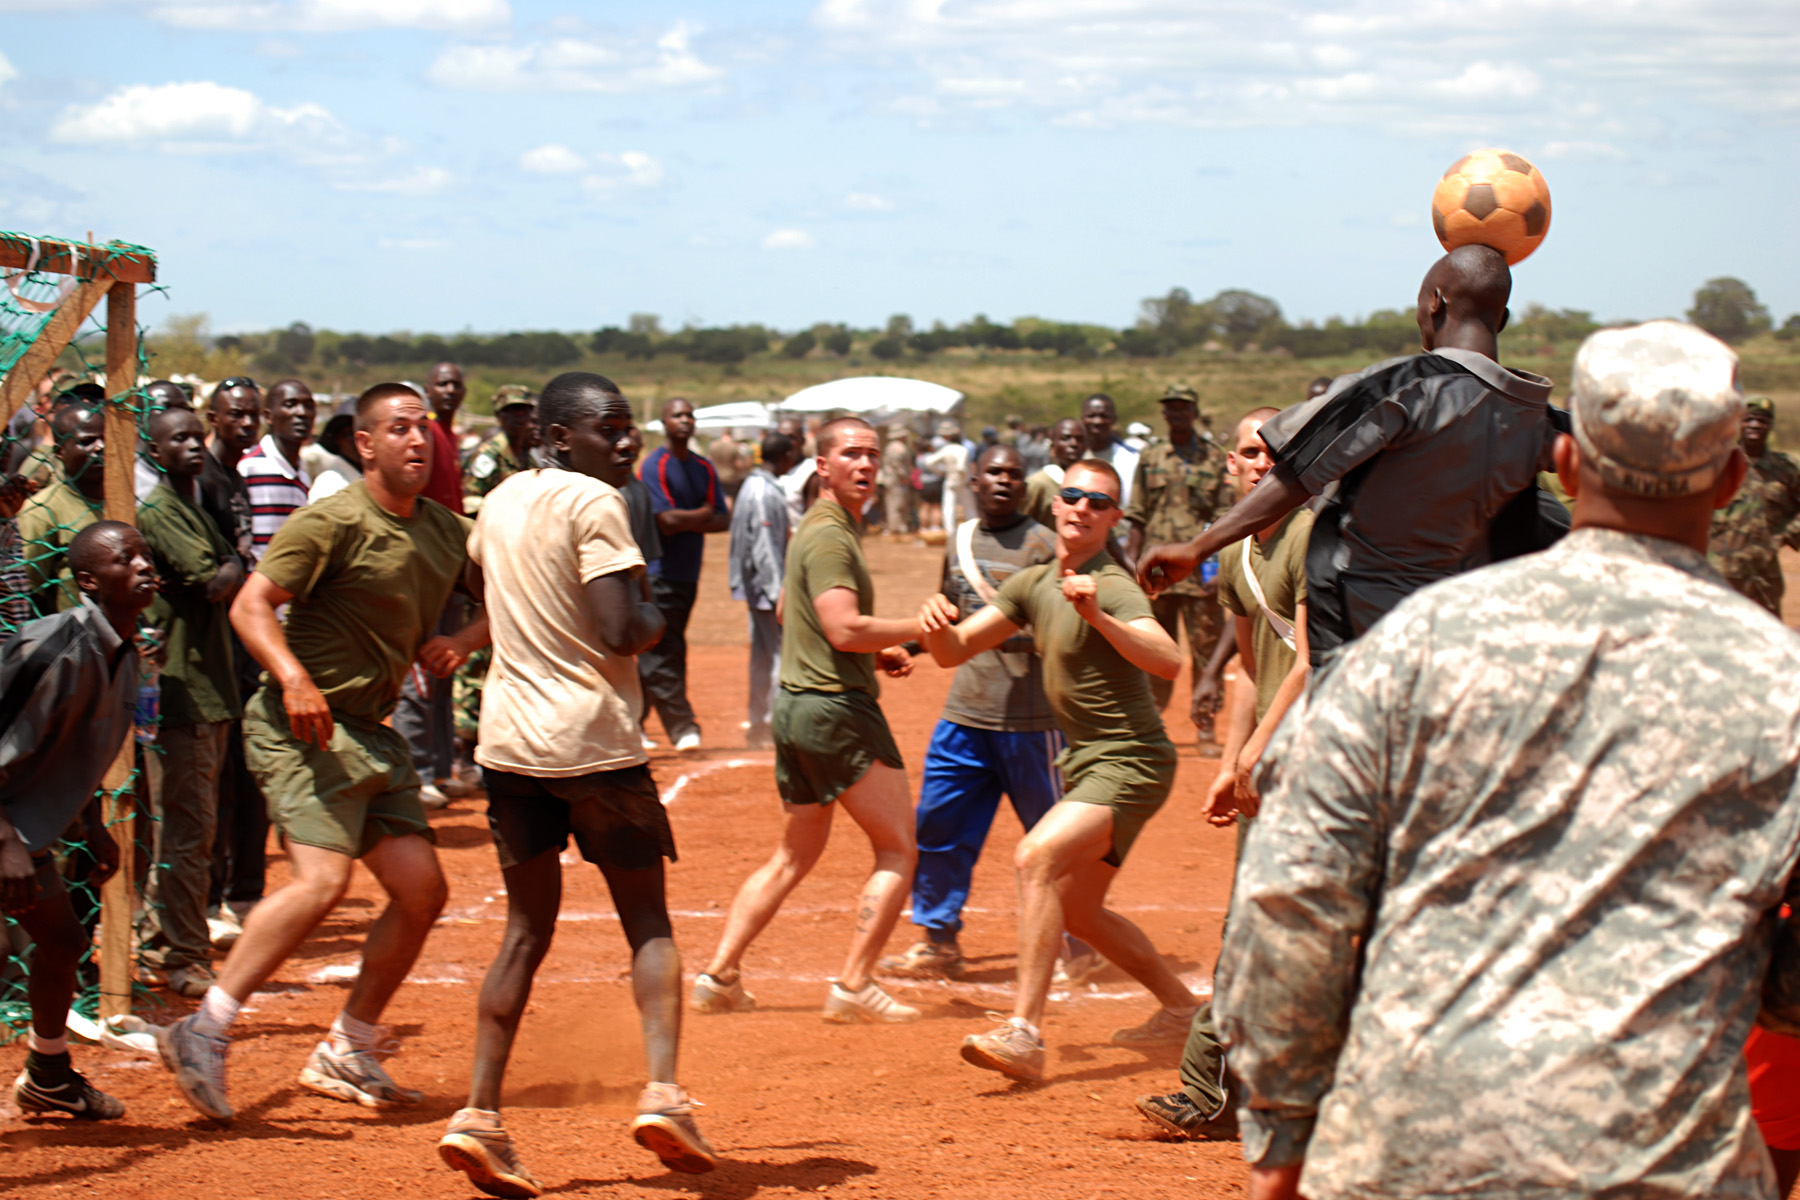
x=869, y=394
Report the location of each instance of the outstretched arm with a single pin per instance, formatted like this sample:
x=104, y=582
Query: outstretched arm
x=952, y=644
x=1279, y=494
x=849, y=630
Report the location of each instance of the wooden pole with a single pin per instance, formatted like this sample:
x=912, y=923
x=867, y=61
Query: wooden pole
x=121, y=505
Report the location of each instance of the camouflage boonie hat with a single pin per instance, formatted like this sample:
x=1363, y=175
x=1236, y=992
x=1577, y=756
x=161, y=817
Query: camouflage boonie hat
x=1181, y=391
x=1657, y=407
x=1759, y=404
x=512, y=394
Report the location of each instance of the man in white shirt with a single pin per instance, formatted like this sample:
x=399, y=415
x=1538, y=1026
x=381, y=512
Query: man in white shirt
x=1099, y=417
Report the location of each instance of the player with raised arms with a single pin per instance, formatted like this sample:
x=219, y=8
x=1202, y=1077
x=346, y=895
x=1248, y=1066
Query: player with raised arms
x=1098, y=637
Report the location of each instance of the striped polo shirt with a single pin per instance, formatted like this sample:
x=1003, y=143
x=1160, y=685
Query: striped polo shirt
x=277, y=488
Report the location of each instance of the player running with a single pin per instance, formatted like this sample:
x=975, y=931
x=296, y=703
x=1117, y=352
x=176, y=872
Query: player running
x=561, y=755
x=831, y=741
x=1098, y=637
x=364, y=574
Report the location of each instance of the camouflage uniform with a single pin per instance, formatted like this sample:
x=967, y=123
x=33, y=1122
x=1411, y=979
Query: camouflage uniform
x=1748, y=533
x=1504, y=922
x=1178, y=491
x=493, y=462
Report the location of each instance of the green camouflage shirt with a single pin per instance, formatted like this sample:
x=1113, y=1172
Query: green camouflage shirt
x=1176, y=493
x=1508, y=912
x=1748, y=533
x=493, y=462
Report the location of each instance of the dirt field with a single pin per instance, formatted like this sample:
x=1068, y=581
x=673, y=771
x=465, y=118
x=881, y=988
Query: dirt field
x=795, y=1104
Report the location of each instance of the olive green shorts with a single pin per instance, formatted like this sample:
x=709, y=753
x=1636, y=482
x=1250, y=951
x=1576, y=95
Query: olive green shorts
x=826, y=741
x=1131, y=778
x=346, y=797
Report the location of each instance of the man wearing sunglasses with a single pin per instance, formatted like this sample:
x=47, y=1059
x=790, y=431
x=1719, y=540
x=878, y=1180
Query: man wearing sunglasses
x=1100, y=642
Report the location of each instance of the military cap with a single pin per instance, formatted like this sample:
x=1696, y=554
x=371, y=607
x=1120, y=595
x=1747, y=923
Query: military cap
x=1657, y=407
x=513, y=394
x=1759, y=404
x=1181, y=391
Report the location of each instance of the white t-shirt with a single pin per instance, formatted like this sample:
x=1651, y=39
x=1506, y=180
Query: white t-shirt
x=556, y=704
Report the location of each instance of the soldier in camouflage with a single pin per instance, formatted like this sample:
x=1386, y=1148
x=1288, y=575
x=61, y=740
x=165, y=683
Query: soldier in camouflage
x=1180, y=487
x=1748, y=535
x=508, y=451
x=1512, y=903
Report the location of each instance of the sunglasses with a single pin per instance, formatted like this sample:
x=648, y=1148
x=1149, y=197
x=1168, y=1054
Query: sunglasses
x=1097, y=501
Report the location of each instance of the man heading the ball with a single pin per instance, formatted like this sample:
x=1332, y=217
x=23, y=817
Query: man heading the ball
x=1428, y=464
x=1098, y=638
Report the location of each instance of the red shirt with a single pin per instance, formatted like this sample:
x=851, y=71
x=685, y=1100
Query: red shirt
x=445, y=484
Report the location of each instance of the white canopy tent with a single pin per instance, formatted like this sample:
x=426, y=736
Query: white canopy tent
x=716, y=418
x=874, y=396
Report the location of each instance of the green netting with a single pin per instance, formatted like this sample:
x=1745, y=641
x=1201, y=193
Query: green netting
x=56, y=461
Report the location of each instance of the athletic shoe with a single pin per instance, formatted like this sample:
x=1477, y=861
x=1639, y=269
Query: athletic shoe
x=50, y=1084
x=927, y=960
x=476, y=1145
x=1165, y=1027
x=198, y=1063
x=432, y=798
x=649, y=745
x=1073, y=972
x=712, y=996
x=356, y=1077
x=190, y=981
x=1011, y=1050
x=665, y=1127
x=223, y=927
x=871, y=1004
x=454, y=788
x=688, y=741
x=1176, y=1114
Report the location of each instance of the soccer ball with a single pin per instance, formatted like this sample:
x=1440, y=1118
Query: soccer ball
x=1492, y=198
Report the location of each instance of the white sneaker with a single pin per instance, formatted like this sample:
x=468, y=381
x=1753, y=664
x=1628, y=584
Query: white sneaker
x=649, y=745
x=845, y=1007
x=688, y=741
x=223, y=927
x=433, y=799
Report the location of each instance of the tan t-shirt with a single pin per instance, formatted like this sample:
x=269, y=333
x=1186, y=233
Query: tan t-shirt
x=556, y=703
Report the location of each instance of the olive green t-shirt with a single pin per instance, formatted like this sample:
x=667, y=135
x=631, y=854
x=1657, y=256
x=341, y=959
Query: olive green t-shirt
x=199, y=680
x=826, y=553
x=368, y=588
x=1280, y=566
x=1098, y=696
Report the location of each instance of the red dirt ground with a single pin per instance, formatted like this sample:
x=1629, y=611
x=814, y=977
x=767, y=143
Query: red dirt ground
x=796, y=1105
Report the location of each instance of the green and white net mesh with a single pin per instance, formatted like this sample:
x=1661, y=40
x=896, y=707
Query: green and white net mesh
x=51, y=455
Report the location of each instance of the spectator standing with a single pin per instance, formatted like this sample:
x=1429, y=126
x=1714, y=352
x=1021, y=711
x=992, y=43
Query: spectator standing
x=759, y=536
x=509, y=450
x=1099, y=419
x=685, y=496
x=895, y=481
x=1748, y=534
x=1067, y=443
x=278, y=483
x=794, y=485
x=50, y=520
x=200, y=576
x=731, y=461
x=330, y=458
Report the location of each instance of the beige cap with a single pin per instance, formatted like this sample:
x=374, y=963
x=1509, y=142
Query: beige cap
x=1657, y=407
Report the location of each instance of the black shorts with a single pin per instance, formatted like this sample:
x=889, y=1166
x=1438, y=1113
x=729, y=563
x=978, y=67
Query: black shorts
x=617, y=817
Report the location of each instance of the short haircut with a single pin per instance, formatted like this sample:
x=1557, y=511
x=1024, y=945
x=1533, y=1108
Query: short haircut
x=161, y=417
x=776, y=446
x=215, y=402
x=170, y=393
x=1100, y=467
x=573, y=395
x=69, y=416
x=1061, y=421
x=1255, y=414
x=998, y=448
x=1106, y=399
x=831, y=431
x=672, y=401
x=88, y=391
x=88, y=549
x=380, y=394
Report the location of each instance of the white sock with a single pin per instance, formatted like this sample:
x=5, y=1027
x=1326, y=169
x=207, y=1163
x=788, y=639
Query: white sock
x=46, y=1045
x=349, y=1035
x=217, y=1011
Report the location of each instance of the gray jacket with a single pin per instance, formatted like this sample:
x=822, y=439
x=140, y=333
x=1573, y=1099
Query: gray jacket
x=759, y=537
x=71, y=729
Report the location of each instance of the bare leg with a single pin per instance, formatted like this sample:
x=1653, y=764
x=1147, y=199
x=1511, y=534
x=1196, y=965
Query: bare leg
x=1069, y=836
x=881, y=803
x=533, y=897
x=803, y=838
x=1118, y=940
x=57, y=944
x=655, y=963
x=407, y=869
x=276, y=927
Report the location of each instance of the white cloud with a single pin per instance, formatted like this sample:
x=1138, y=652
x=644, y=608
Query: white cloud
x=789, y=239
x=413, y=243
x=632, y=168
x=641, y=169
x=579, y=64
x=194, y=116
x=333, y=16
x=8, y=72
x=1588, y=150
x=1520, y=69
x=868, y=202
x=553, y=159
x=420, y=181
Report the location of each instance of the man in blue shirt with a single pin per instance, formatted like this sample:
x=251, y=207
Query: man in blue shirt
x=685, y=496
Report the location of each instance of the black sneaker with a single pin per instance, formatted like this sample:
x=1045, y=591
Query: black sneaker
x=1177, y=1115
x=50, y=1084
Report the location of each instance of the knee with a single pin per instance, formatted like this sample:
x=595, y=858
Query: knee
x=322, y=890
x=1034, y=861
x=426, y=901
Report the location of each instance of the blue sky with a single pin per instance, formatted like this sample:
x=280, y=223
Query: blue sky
x=502, y=164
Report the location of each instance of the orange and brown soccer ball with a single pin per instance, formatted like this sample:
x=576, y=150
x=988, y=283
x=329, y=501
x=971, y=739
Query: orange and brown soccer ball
x=1492, y=198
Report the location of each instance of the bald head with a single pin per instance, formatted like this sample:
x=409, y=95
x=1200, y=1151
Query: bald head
x=1462, y=301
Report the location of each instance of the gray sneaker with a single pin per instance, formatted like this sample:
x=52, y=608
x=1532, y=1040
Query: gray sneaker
x=198, y=1064
x=665, y=1127
x=1166, y=1028
x=1011, y=1050
x=845, y=1007
x=476, y=1145
x=356, y=1077
x=927, y=960
x=712, y=996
